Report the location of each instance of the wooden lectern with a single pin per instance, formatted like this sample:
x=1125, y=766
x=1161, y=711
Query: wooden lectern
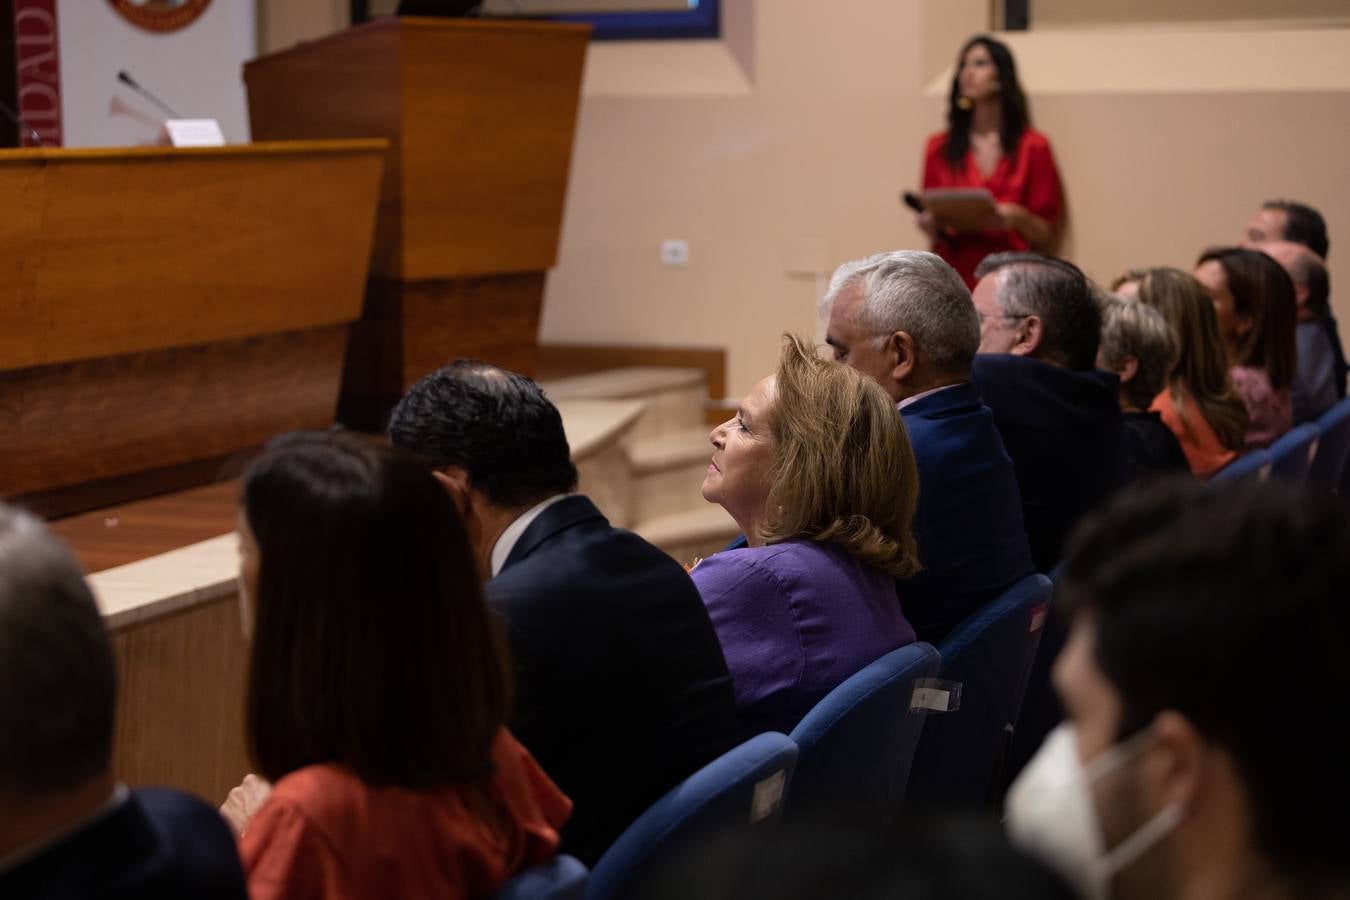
x=165, y=309
x=480, y=117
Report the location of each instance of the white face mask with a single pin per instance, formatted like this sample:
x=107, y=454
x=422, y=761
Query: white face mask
x=1051, y=813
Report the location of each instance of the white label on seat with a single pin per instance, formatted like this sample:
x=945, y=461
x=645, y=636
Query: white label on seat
x=768, y=796
x=930, y=699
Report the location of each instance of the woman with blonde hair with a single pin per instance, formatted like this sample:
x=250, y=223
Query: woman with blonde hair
x=817, y=470
x=1199, y=403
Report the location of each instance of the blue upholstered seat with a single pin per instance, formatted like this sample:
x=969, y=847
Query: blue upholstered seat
x=857, y=744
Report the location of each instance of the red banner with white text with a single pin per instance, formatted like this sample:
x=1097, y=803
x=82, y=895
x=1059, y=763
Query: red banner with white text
x=37, y=62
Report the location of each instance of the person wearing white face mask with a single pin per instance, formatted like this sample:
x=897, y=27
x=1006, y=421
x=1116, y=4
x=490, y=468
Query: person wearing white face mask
x=1204, y=672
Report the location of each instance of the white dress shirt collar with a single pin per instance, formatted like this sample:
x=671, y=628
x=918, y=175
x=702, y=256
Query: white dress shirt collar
x=928, y=393
x=507, y=542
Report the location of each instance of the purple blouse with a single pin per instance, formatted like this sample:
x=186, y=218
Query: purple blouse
x=1269, y=412
x=795, y=620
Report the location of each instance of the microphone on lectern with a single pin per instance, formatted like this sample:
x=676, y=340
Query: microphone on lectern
x=125, y=77
x=18, y=120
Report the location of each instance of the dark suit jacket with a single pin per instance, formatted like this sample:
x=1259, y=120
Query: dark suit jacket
x=159, y=843
x=622, y=690
x=1063, y=430
x=972, y=542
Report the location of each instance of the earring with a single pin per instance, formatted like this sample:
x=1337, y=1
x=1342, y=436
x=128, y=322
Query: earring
x=964, y=103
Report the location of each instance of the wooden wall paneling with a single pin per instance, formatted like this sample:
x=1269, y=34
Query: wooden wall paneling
x=180, y=710
x=411, y=328
x=79, y=498
x=489, y=113
x=123, y=251
x=342, y=86
x=95, y=419
x=495, y=319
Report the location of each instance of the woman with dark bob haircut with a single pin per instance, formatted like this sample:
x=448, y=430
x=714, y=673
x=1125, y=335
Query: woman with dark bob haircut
x=377, y=688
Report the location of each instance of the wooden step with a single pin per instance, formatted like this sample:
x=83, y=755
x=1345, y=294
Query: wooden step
x=674, y=396
x=596, y=433
x=692, y=534
x=668, y=472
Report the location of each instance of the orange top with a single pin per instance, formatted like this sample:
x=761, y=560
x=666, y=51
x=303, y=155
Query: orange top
x=327, y=835
x=1197, y=438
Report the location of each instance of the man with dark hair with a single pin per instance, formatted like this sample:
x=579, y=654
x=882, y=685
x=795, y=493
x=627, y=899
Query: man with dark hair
x=68, y=829
x=905, y=318
x=1203, y=679
x=621, y=687
x=1288, y=220
x=1059, y=416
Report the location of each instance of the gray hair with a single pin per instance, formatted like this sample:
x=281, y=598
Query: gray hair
x=1056, y=292
x=1133, y=328
x=916, y=292
x=58, y=683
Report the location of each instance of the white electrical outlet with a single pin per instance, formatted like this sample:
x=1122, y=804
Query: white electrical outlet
x=675, y=253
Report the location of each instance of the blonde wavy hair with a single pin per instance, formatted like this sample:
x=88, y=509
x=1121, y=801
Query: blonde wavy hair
x=1200, y=383
x=843, y=471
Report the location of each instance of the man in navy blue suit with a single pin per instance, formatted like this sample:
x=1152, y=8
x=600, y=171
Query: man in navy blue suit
x=1061, y=422
x=68, y=829
x=906, y=319
x=621, y=687
x=1058, y=413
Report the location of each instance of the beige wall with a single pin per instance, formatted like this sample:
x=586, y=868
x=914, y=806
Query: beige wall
x=798, y=167
x=284, y=23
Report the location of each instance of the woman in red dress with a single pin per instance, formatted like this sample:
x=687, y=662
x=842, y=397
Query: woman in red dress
x=989, y=143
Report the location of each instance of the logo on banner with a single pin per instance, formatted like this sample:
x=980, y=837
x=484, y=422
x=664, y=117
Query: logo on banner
x=161, y=15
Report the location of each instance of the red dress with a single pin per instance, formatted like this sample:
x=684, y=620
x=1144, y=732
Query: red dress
x=1028, y=178
x=324, y=834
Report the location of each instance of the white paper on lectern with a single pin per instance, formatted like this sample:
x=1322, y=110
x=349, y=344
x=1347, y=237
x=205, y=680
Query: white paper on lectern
x=192, y=133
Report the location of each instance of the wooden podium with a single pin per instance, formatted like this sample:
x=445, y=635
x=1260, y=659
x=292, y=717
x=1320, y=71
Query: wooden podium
x=480, y=117
x=165, y=309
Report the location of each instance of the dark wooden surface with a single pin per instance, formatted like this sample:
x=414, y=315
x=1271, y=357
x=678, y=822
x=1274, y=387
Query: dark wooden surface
x=412, y=328
x=92, y=420
x=129, y=532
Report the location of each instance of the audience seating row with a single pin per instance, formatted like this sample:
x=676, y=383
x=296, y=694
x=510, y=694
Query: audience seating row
x=851, y=759
x=1315, y=453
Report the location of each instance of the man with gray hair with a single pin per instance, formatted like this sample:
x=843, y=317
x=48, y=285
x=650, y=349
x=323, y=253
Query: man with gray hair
x=67, y=828
x=906, y=319
x=1058, y=414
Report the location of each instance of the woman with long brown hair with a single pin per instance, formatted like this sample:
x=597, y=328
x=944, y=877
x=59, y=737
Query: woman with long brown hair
x=377, y=689
x=1258, y=316
x=1199, y=403
x=817, y=470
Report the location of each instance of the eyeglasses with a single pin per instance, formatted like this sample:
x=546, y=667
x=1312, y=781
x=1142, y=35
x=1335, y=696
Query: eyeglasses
x=984, y=316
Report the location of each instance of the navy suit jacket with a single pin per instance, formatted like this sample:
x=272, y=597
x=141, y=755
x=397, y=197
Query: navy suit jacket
x=1064, y=432
x=621, y=687
x=972, y=542
x=159, y=843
